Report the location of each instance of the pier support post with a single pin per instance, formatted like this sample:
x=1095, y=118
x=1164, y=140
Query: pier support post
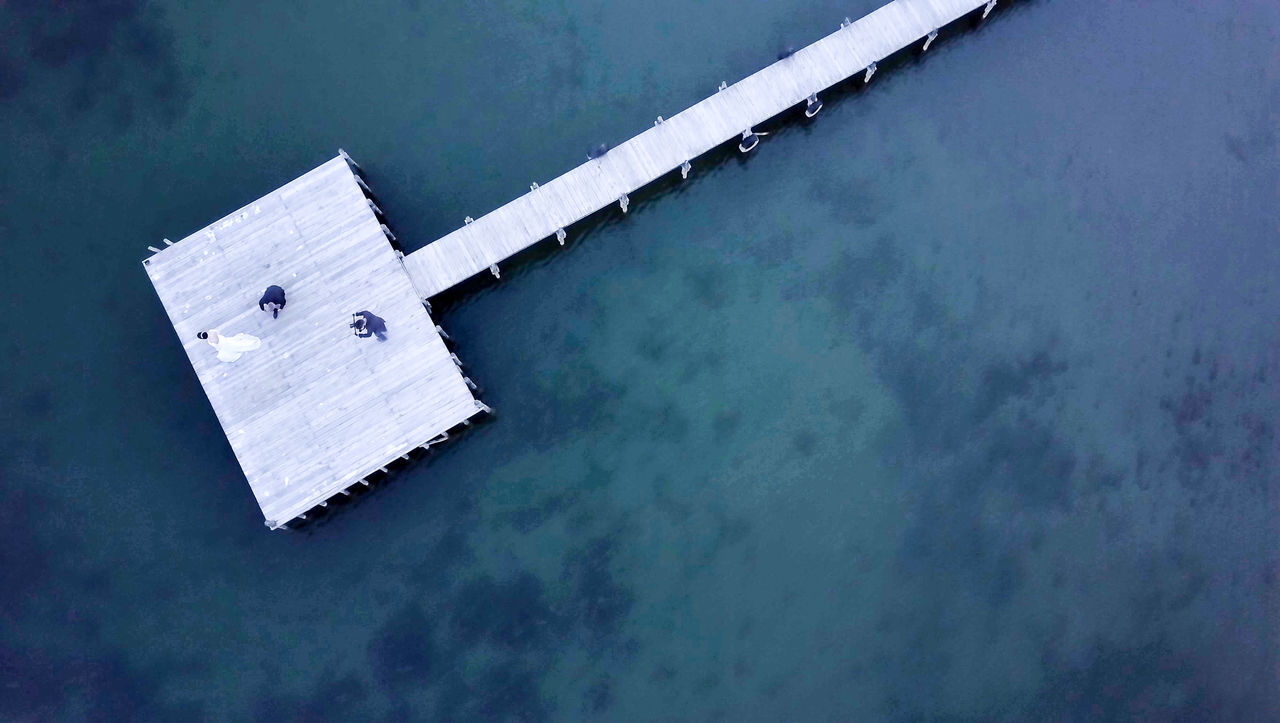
x=153, y=249
x=871, y=70
x=933, y=35
x=812, y=106
x=167, y=242
x=387, y=231
x=750, y=139
x=456, y=360
x=658, y=122
x=846, y=22
x=533, y=186
x=723, y=85
x=483, y=407
x=987, y=10
x=363, y=186
x=348, y=158
x=624, y=202
x=493, y=269
x=374, y=207
x=560, y=236
x=364, y=482
x=467, y=220
x=470, y=384
x=440, y=331
x=685, y=168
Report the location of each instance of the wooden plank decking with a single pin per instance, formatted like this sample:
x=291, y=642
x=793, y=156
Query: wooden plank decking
x=667, y=146
x=315, y=409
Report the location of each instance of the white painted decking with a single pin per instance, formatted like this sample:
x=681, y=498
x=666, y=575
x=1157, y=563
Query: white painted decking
x=660, y=150
x=315, y=409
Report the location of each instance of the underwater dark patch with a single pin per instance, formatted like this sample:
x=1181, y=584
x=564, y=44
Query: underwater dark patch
x=333, y=698
x=528, y=518
x=37, y=403
x=598, y=696
x=772, y=251
x=804, y=442
x=24, y=562
x=402, y=651
x=576, y=397
x=854, y=202
x=725, y=423
x=861, y=272
x=708, y=285
x=668, y=424
x=1144, y=682
x=1007, y=380
x=105, y=687
x=600, y=604
x=117, y=50
x=12, y=79
x=507, y=691
x=511, y=615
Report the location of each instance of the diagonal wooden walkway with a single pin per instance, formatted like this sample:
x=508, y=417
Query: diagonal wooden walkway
x=548, y=209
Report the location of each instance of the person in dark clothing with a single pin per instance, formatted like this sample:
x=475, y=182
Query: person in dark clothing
x=367, y=324
x=272, y=300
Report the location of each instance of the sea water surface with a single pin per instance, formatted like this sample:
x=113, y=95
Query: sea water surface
x=958, y=402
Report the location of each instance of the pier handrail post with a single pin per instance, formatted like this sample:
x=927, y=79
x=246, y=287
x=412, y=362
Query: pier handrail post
x=812, y=105
x=933, y=35
x=346, y=157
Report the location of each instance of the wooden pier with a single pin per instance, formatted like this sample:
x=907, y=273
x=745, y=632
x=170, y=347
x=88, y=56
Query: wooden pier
x=673, y=143
x=316, y=410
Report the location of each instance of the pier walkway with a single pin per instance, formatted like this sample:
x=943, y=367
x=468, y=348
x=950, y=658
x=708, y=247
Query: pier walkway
x=674, y=142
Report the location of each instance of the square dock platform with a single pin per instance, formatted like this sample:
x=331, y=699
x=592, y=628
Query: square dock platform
x=315, y=409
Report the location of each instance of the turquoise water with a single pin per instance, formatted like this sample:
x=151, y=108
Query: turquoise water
x=957, y=402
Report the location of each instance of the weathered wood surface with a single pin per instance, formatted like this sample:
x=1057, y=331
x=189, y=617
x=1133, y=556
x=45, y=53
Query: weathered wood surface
x=665, y=147
x=315, y=409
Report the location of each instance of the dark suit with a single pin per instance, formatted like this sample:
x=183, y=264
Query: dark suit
x=273, y=295
x=369, y=325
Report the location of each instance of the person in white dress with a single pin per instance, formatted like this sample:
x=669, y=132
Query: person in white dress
x=230, y=348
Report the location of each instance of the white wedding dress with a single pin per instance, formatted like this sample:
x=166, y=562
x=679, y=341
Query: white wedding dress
x=231, y=348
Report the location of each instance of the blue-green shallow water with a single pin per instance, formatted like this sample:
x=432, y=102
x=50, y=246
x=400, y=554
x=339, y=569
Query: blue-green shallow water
x=959, y=402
